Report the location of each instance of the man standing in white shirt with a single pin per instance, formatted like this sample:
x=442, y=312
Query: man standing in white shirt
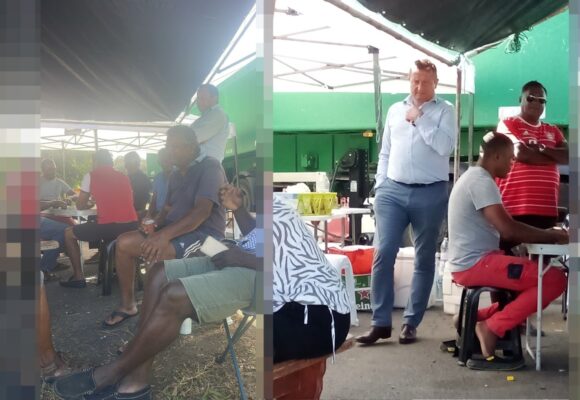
x=411, y=187
x=212, y=127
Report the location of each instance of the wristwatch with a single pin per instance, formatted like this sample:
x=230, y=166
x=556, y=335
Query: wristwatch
x=541, y=147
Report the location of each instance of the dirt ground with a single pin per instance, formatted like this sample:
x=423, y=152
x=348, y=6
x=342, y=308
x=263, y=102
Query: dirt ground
x=185, y=370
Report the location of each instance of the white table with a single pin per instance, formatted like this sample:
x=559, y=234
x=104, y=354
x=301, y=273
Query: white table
x=71, y=212
x=337, y=213
x=541, y=250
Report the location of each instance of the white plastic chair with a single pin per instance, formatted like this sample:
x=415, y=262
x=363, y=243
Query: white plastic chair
x=342, y=263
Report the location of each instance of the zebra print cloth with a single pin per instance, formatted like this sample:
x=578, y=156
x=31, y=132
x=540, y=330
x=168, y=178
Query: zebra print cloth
x=301, y=271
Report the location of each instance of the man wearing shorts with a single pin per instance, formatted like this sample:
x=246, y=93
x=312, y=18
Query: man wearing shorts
x=112, y=193
x=192, y=212
x=206, y=290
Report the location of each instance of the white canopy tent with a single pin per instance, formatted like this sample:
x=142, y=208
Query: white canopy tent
x=340, y=46
x=147, y=137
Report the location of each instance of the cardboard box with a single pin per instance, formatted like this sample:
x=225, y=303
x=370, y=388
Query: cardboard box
x=362, y=291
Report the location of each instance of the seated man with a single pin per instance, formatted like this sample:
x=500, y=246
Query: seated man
x=206, y=290
x=52, y=191
x=51, y=187
x=115, y=213
x=477, y=219
x=51, y=230
x=311, y=307
x=139, y=182
x=192, y=211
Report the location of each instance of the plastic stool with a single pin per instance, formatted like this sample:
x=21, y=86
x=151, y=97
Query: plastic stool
x=467, y=343
x=342, y=263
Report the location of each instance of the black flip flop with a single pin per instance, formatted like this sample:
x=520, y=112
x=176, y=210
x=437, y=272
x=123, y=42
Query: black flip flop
x=77, y=284
x=124, y=317
x=75, y=385
x=495, y=363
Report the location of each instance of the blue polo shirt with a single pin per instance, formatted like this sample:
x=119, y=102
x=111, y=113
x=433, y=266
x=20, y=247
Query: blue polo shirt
x=203, y=179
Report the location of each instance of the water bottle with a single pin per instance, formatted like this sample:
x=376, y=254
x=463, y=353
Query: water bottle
x=186, y=326
x=441, y=270
x=322, y=183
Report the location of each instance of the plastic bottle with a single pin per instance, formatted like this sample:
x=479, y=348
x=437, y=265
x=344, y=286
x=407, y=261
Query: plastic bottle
x=322, y=183
x=186, y=326
x=441, y=270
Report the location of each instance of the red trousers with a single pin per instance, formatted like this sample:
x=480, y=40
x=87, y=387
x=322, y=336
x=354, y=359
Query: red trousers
x=492, y=270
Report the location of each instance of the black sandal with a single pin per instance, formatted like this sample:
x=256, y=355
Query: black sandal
x=111, y=393
x=77, y=284
x=124, y=317
x=76, y=385
x=494, y=363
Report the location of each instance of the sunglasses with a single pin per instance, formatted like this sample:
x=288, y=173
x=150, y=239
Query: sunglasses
x=531, y=99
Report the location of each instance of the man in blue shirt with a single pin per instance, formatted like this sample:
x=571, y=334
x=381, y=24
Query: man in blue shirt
x=192, y=212
x=205, y=289
x=411, y=187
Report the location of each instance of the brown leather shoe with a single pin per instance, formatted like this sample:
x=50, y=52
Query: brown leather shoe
x=408, y=334
x=376, y=333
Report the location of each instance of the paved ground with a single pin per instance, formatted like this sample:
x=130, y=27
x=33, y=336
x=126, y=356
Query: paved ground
x=421, y=371
x=186, y=370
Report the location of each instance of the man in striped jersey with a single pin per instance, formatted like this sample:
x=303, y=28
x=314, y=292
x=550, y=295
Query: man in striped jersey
x=530, y=191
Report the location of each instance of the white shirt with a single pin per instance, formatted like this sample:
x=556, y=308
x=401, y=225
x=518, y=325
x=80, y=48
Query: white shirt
x=417, y=153
x=211, y=130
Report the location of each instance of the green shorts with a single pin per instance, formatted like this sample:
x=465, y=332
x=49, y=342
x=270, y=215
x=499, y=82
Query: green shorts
x=215, y=294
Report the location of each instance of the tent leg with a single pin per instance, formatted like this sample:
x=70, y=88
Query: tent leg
x=457, y=154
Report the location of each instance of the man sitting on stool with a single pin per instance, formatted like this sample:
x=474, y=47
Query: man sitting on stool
x=477, y=218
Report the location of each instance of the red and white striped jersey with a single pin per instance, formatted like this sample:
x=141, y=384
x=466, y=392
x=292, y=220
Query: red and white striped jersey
x=531, y=189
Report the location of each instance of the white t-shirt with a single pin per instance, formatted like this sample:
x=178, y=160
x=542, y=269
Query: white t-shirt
x=52, y=189
x=471, y=236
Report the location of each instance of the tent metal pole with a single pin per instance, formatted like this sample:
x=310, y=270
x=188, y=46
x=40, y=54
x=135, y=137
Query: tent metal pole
x=471, y=123
x=378, y=97
x=389, y=31
x=96, y=139
x=63, y=162
x=457, y=154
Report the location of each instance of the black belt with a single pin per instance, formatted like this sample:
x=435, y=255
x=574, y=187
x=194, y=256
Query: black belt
x=417, y=185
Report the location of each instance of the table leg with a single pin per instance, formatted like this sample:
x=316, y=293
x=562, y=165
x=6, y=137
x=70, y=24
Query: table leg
x=539, y=312
x=343, y=231
x=325, y=236
x=81, y=256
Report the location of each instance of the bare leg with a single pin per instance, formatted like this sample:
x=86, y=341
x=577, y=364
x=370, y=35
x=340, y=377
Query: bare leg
x=45, y=346
x=487, y=339
x=48, y=356
x=160, y=330
x=73, y=250
x=156, y=280
x=128, y=250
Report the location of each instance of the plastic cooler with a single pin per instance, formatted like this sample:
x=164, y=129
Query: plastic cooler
x=361, y=258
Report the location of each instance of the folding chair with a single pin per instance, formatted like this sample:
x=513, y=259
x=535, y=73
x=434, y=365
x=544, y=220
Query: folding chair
x=249, y=318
